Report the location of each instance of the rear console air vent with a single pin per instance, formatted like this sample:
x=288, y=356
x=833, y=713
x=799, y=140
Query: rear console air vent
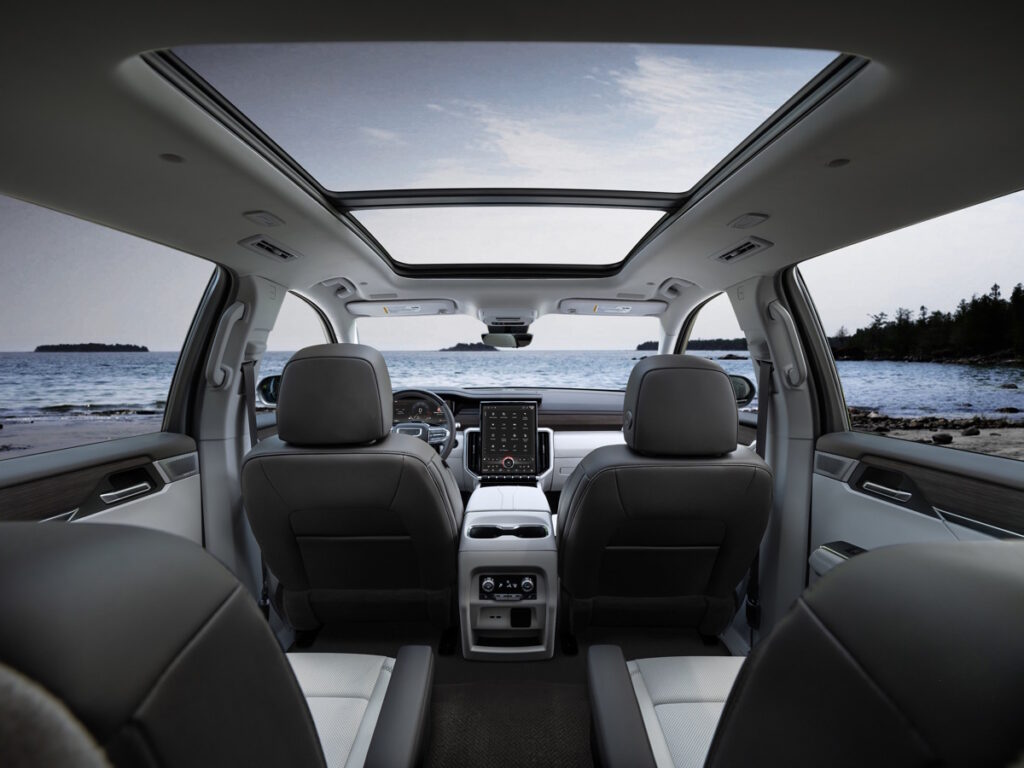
x=473, y=451
x=265, y=246
x=743, y=250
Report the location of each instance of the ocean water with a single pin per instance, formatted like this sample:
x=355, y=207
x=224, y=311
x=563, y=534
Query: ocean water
x=129, y=385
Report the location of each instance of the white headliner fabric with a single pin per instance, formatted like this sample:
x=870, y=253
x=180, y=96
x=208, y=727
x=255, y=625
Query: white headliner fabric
x=344, y=692
x=681, y=700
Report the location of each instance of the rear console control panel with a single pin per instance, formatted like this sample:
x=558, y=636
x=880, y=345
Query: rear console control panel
x=505, y=588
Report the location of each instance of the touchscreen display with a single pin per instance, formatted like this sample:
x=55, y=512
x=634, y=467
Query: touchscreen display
x=508, y=437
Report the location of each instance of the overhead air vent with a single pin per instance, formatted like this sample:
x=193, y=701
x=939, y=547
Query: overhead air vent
x=743, y=250
x=265, y=246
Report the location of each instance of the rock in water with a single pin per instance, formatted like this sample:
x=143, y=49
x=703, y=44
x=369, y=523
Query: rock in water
x=1009, y=409
x=942, y=438
x=1008, y=385
x=971, y=432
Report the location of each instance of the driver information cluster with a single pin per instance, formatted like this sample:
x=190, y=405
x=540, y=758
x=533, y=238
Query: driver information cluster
x=508, y=438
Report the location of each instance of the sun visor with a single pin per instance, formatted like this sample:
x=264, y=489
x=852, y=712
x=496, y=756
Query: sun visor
x=607, y=307
x=401, y=308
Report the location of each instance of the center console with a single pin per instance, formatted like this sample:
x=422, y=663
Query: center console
x=508, y=575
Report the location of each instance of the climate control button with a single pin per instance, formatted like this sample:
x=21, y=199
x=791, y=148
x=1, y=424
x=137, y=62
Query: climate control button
x=487, y=585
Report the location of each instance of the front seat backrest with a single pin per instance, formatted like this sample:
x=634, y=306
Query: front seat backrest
x=354, y=522
x=151, y=645
x=904, y=656
x=659, y=531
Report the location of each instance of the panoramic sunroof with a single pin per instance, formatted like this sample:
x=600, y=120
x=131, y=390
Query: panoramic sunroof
x=387, y=116
x=488, y=235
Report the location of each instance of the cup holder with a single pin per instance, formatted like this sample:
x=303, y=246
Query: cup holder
x=519, y=531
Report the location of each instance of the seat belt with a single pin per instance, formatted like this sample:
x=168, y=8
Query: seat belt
x=764, y=390
x=249, y=393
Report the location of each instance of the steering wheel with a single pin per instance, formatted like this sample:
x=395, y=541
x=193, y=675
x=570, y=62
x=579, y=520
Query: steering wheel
x=441, y=438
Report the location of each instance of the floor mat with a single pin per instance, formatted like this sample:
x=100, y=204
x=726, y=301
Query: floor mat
x=515, y=724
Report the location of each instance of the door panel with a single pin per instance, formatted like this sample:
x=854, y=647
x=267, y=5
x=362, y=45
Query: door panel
x=872, y=491
x=149, y=480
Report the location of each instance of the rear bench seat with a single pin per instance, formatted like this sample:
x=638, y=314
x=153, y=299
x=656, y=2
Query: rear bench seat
x=907, y=655
x=358, y=699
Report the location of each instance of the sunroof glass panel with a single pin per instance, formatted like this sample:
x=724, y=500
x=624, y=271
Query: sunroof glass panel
x=485, y=235
x=376, y=116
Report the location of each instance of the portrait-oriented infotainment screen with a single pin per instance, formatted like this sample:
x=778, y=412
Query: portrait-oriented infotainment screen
x=508, y=438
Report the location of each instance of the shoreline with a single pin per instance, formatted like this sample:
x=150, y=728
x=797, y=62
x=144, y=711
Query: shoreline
x=997, y=437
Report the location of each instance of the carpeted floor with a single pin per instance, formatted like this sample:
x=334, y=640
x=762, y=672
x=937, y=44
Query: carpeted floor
x=495, y=724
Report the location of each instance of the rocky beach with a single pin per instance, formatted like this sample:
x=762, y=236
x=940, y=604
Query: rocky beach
x=1003, y=436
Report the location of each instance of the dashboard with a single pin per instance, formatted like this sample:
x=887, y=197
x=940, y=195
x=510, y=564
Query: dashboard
x=418, y=409
x=569, y=423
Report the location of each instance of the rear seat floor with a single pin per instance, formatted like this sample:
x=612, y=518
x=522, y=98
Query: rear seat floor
x=495, y=724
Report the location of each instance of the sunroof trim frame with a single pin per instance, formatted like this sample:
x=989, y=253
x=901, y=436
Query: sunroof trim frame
x=815, y=92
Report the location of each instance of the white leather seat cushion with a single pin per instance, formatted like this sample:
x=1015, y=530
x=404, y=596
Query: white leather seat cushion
x=681, y=700
x=344, y=692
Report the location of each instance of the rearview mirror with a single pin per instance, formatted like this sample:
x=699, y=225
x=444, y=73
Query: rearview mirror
x=268, y=388
x=507, y=340
x=743, y=388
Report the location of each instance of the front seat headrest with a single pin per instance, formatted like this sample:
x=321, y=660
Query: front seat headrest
x=679, y=405
x=335, y=394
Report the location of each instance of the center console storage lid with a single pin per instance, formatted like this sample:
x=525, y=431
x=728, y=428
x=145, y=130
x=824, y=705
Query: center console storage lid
x=508, y=498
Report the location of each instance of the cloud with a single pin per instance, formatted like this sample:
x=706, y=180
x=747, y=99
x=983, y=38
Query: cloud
x=383, y=136
x=658, y=124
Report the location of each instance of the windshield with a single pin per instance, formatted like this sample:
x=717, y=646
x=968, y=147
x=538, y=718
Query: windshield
x=567, y=351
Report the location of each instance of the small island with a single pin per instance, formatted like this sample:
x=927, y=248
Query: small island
x=647, y=346
x=91, y=348
x=473, y=346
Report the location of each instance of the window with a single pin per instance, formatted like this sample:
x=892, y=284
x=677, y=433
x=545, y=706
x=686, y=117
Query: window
x=572, y=351
x=298, y=325
x=513, y=235
x=717, y=335
x=70, y=285
x=927, y=328
x=402, y=115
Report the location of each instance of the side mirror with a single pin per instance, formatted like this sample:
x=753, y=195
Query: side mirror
x=268, y=389
x=743, y=388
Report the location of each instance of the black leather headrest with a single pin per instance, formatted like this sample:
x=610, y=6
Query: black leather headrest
x=335, y=394
x=679, y=405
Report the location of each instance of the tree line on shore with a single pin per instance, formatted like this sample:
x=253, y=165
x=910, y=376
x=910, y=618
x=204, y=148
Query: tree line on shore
x=987, y=326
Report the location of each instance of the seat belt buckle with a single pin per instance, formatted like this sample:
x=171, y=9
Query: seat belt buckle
x=753, y=613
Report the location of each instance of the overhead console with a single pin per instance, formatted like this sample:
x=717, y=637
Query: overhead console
x=508, y=442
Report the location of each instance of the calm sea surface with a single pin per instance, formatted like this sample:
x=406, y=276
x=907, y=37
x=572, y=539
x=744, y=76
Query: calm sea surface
x=81, y=385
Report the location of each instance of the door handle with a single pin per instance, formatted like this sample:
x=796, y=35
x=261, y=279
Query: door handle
x=890, y=493
x=122, y=494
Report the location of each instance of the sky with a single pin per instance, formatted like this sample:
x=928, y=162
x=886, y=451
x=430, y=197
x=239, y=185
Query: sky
x=380, y=116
